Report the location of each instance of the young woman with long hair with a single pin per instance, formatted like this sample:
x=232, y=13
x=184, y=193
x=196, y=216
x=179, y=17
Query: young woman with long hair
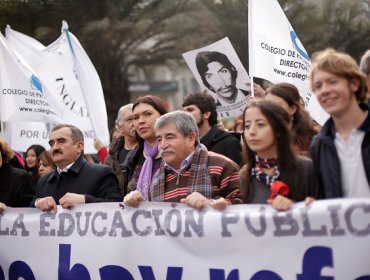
x=32, y=160
x=273, y=173
x=302, y=126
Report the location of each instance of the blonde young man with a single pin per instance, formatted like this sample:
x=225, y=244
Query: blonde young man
x=341, y=151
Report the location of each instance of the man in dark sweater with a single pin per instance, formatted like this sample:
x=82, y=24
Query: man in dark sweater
x=74, y=181
x=203, y=108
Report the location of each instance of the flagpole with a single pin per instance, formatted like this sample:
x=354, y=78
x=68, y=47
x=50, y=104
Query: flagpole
x=252, y=86
x=2, y=129
x=65, y=28
x=250, y=46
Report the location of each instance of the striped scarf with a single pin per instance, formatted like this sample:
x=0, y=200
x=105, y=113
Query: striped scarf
x=199, y=179
x=261, y=176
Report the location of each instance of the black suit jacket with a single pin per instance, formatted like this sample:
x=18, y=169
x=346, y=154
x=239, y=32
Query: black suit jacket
x=96, y=181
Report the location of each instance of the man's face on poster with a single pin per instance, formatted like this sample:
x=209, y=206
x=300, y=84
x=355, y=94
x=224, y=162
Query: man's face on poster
x=220, y=80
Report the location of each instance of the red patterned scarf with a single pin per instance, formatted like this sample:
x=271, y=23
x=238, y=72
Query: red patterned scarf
x=199, y=179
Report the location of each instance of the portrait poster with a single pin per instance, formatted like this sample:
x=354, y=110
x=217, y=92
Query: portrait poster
x=219, y=71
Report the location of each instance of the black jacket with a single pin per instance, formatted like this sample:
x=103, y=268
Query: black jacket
x=307, y=184
x=224, y=143
x=16, y=186
x=123, y=170
x=96, y=181
x=326, y=160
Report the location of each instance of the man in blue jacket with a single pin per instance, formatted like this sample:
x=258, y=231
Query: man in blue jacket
x=341, y=151
x=74, y=181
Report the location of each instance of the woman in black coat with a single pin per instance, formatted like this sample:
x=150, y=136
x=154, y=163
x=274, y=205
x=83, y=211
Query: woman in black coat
x=16, y=185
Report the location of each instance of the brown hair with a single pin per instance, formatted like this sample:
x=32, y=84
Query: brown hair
x=340, y=64
x=278, y=119
x=205, y=102
x=6, y=151
x=46, y=156
x=302, y=127
x=154, y=101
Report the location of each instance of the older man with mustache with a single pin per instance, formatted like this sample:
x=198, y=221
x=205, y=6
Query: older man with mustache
x=74, y=181
x=125, y=148
x=189, y=173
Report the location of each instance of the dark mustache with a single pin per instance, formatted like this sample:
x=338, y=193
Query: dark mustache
x=57, y=152
x=230, y=88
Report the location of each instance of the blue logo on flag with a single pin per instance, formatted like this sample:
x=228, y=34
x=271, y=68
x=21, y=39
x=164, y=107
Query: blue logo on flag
x=294, y=38
x=35, y=83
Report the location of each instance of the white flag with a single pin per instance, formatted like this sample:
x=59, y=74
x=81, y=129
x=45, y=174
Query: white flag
x=23, y=94
x=91, y=86
x=277, y=55
x=68, y=72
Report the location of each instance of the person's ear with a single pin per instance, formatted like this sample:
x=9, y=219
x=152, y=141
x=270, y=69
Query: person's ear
x=292, y=109
x=80, y=146
x=192, y=138
x=354, y=84
x=206, y=115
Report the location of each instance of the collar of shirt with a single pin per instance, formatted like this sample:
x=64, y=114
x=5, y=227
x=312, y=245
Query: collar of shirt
x=184, y=164
x=65, y=169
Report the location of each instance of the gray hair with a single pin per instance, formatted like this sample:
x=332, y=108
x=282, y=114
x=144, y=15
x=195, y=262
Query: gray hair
x=123, y=109
x=77, y=135
x=365, y=63
x=183, y=121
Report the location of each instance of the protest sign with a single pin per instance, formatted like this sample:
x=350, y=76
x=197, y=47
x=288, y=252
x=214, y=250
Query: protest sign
x=219, y=71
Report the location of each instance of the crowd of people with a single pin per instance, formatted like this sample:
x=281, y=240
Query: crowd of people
x=277, y=155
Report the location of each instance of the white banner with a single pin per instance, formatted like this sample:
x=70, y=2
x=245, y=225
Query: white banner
x=327, y=240
x=21, y=135
x=23, y=95
x=276, y=54
x=68, y=72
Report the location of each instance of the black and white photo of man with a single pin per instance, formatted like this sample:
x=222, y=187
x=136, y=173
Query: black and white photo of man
x=219, y=75
x=219, y=72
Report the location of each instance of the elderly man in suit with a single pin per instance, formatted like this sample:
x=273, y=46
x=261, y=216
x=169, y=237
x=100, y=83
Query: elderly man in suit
x=74, y=181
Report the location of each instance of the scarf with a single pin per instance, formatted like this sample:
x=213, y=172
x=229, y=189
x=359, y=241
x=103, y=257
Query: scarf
x=261, y=176
x=145, y=177
x=199, y=178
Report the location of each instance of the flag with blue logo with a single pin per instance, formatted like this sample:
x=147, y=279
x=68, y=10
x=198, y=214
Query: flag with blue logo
x=66, y=70
x=277, y=55
x=23, y=96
